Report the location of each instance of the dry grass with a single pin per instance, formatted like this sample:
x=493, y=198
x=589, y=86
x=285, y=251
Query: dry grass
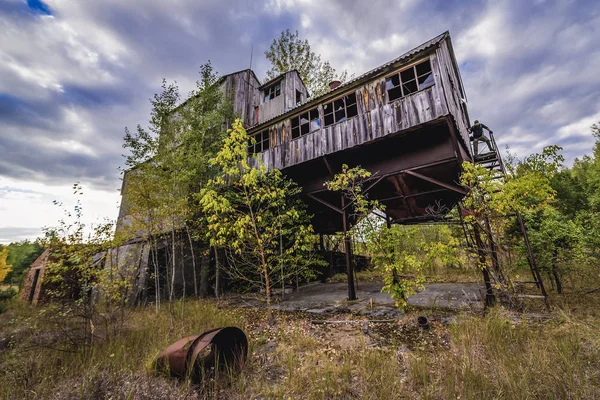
x=491, y=356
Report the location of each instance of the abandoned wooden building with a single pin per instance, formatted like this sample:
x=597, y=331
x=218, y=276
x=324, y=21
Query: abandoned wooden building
x=405, y=121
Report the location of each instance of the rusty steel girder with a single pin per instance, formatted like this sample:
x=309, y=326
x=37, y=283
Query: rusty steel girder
x=200, y=356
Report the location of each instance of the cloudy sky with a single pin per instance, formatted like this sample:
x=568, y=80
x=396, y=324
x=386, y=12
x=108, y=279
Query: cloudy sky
x=73, y=74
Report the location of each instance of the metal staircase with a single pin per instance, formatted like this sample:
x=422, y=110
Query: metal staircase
x=492, y=161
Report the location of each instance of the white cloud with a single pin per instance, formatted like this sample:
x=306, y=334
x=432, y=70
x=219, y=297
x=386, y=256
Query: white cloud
x=82, y=74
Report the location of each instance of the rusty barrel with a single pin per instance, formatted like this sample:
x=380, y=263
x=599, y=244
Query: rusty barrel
x=199, y=355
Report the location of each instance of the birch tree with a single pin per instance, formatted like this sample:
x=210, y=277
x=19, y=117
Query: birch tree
x=256, y=217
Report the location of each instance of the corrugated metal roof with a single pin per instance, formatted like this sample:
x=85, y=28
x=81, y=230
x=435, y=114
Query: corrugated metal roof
x=433, y=42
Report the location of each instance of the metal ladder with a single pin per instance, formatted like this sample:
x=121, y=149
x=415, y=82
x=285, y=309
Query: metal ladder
x=492, y=161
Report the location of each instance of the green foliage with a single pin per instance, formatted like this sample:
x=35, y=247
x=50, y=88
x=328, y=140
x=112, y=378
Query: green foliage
x=5, y=296
x=395, y=252
x=256, y=216
x=289, y=52
x=5, y=268
x=21, y=255
x=170, y=159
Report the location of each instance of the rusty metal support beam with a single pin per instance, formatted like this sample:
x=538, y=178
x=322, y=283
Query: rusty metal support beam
x=456, y=189
x=394, y=173
x=365, y=191
x=328, y=166
x=348, y=248
x=412, y=195
x=315, y=198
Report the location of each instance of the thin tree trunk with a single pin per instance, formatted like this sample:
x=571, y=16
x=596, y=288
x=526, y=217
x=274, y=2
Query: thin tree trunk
x=217, y=273
x=156, y=275
x=281, y=265
x=490, y=298
x=182, y=278
x=193, y=261
x=555, y=271
x=204, y=274
x=172, y=289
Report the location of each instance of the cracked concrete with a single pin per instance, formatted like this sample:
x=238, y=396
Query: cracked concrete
x=331, y=298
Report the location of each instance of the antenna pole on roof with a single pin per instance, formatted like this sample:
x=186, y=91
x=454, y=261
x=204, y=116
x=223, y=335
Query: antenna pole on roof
x=251, y=51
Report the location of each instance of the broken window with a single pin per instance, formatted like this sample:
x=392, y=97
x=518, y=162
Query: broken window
x=305, y=123
x=298, y=97
x=410, y=80
x=340, y=109
x=259, y=142
x=272, y=91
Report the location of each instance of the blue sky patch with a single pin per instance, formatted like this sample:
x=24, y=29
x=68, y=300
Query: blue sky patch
x=38, y=6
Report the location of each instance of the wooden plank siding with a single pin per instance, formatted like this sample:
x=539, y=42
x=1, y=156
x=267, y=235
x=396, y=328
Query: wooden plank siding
x=376, y=118
x=290, y=82
x=451, y=88
x=242, y=90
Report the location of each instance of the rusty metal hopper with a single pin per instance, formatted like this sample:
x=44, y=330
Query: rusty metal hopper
x=199, y=356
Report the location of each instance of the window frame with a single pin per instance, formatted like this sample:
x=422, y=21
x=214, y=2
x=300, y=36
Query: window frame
x=333, y=112
x=261, y=145
x=309, y=123
x=415, y=79
x=272, y=91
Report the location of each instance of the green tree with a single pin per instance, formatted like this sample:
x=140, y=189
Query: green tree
x=256, y=217
x=289, y=52
x=170, y=162
x=76, y=283
x=21, y=255
x=395, y=252
x=4, y=266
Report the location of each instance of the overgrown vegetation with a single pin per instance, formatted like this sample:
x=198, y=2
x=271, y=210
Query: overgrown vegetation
x=256, y=216
x=495, y=356
x=191, y=179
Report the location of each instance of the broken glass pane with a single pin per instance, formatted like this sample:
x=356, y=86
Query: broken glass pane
x=426, y=81
x=328, y=119
x=304, y=129
x=407, y=75
x=409, y=87
x=304, y=118
x=351, y=111
x=423, y=68
x=392, y=81
x=314, y=114
x=350, y=99
x=394, y=93
x=315, y=125
x=338, y=105
x=295, y=133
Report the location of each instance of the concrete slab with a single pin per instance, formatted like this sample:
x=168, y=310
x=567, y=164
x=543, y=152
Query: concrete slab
x=331, y=298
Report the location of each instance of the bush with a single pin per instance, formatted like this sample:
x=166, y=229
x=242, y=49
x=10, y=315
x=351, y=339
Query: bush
x=6, y=295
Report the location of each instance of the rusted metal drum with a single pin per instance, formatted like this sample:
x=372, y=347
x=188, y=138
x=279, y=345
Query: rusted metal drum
x=199, y=356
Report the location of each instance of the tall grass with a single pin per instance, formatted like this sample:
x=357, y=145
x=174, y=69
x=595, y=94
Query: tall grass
x=484, y=356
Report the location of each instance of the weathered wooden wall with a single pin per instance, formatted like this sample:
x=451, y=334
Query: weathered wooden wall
x=242, y=89
x=376, y=117
x=452, y=90
x=290, y=82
